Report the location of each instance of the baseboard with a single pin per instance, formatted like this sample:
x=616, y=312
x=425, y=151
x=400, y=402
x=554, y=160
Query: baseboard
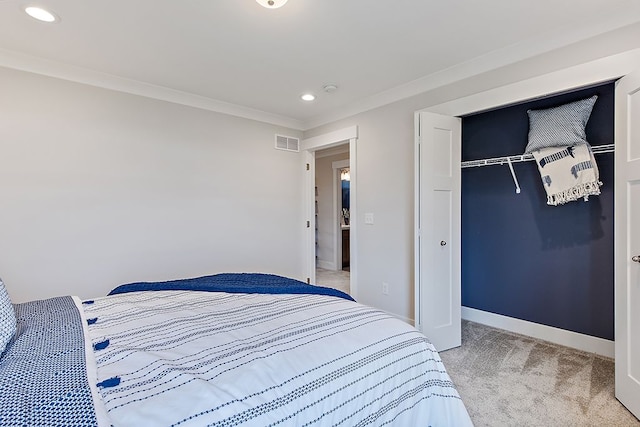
x=327, y=265
x=406, y=320
x=548, y=333
x=397, y=316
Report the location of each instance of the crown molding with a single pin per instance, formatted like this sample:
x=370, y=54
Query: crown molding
x=482, y=64
x=579, y=76
x=474, y=67
x=45, y=67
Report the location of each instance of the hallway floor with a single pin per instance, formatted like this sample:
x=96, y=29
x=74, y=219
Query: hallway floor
x=333, y=279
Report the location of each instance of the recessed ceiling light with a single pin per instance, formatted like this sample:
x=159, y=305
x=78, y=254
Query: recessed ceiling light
x=272, y=4
x=41, y=14
x=308, y=97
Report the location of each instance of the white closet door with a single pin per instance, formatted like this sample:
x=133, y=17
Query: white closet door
x=438, y=229
x=627, y=242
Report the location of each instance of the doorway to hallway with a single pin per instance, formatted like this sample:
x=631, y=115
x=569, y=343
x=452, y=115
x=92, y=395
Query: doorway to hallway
x=332, y=217
x=310, y=147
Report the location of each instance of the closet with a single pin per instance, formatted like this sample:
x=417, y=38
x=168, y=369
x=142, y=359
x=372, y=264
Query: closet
x=521, y=258
x=551, y=265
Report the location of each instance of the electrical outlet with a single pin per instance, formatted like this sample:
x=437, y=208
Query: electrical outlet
x=385, y=288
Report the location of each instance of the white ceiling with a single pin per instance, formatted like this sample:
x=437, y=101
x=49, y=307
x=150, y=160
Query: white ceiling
x=238, y=57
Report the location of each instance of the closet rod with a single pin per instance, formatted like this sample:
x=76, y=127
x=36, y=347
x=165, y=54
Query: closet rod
x=606, y=148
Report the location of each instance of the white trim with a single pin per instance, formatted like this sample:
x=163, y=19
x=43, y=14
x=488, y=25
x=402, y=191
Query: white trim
x=417, y=297
x=404, y=319
x=327, y=265
x=474, y=67
x=353, y=215
x=340, y=164
x=337, y=201
x=547, y=333
x=309, y=209
x=397, y=316
x=491, y=61
x=45, y=67
x=335, y=227
x=603, y=69
x=340, y=149
x=331, y=139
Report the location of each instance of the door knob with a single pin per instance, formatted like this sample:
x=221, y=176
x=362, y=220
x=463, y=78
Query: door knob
x=636, y=258
x=443, y=243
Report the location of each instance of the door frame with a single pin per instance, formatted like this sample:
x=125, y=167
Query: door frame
x=309, y=146
x=337, y=208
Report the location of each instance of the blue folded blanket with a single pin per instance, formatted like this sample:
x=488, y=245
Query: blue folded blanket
x=244, y=283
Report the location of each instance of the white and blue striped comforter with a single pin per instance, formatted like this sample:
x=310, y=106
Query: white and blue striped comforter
x=192, y=358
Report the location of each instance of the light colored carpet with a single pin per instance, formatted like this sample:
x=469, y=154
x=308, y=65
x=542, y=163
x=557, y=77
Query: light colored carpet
x=337, y=279
x=507, y=379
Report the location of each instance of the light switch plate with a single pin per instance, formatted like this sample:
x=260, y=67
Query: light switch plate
x=368, y=218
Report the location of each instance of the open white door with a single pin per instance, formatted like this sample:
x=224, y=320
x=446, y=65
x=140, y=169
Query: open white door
x=437, y=244
x=627, y=242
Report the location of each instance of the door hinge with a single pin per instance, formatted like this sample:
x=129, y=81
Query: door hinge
x=308, y=166
x=308, y=224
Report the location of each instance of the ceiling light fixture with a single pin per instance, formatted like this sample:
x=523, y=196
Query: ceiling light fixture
x=272, y=4
x=41, y=14
x=308, y=97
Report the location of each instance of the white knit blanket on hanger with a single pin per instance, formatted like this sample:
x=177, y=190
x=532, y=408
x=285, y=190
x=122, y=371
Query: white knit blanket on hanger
x=568, y=173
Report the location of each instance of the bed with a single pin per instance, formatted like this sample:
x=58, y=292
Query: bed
x=221, y=350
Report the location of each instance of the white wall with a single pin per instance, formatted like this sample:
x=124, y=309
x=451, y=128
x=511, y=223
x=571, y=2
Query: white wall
x=385, y=188
x=385, y=156
x=100, y=188
x=326, y=248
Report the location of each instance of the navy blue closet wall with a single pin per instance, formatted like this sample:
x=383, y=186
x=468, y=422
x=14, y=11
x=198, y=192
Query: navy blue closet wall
x=522, y=258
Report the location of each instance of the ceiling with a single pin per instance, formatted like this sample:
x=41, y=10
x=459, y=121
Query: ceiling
x=235, y=56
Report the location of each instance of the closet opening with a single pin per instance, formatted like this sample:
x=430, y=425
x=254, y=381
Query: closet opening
x=526, y=259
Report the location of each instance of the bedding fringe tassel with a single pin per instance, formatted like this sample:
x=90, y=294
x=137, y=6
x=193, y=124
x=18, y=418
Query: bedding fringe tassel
x=101, y=345
x=583, y=190
x=111, y=382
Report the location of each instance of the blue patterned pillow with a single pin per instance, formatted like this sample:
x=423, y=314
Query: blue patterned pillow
x=561, y=126
x=7, y=318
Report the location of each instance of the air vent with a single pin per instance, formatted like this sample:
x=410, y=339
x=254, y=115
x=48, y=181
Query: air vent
x=287, y=143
